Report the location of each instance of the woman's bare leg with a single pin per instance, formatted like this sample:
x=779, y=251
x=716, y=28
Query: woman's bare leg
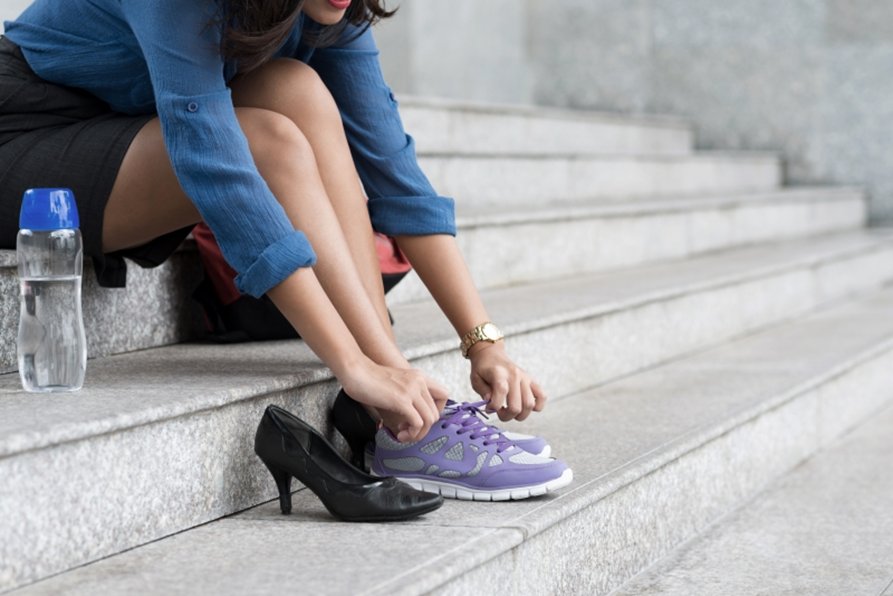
x=293, y=89
x=147, y=201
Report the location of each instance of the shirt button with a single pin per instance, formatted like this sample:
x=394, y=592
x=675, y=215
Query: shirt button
x=192, y=107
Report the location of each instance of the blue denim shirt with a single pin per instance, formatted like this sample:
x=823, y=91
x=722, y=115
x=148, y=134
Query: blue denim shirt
x=162, y=56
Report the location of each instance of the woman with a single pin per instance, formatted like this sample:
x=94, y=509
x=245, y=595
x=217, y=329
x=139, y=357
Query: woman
x=163, y=114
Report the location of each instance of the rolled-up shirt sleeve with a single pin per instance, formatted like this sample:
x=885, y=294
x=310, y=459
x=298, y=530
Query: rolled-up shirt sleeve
x=401, y=199
x=206, y=145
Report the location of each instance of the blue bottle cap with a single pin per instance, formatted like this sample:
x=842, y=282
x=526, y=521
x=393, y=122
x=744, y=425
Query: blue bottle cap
x=45, y=209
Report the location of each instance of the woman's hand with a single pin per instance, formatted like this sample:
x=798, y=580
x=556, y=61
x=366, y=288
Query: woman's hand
x=511, y=392
x=408, y=401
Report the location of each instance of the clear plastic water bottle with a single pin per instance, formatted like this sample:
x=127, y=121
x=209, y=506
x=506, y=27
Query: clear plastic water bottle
x=52, y=347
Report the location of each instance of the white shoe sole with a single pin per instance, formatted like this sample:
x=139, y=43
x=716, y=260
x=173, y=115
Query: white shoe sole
x=463, y=493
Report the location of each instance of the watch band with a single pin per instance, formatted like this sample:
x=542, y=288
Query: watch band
x=486, y=331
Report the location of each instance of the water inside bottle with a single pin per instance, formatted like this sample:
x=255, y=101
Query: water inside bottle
x=51, y=353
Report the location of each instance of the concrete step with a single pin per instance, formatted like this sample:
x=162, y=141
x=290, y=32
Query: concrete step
x=159, y=440
x=155, y=308
x=506, y=180
x=445, y=126
x=547, y=242
x=563, y=240
x=657, y=456
x=825, y=528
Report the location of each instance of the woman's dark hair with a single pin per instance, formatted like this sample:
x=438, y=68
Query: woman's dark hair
x=255, y=29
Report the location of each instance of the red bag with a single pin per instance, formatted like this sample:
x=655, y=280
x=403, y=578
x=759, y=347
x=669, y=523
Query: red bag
x=230, y=316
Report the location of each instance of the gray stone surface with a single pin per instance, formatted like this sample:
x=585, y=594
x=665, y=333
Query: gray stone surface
x=589, y=237
x=183, y=415
x=591, y=52
x=508, y=181
x=155, y=308
x=825, y=528
x=859, y=22
x=657, y=457
x=266, y=553
x=461, y=127
x=853, y=140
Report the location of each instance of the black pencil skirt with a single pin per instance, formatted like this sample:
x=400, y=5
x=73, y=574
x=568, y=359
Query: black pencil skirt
x=56, y=136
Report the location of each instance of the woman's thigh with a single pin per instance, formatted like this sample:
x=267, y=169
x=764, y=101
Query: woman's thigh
x=146, y=200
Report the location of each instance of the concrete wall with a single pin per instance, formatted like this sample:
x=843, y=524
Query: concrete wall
x=811, y=78
x=466, y=49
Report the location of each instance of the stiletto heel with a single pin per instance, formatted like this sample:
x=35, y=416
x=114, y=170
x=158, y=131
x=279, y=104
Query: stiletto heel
x=289, y=447
x=283, y=483
x=355, y=424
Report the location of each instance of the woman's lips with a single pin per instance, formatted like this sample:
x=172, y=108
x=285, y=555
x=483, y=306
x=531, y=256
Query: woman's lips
x=340, y=4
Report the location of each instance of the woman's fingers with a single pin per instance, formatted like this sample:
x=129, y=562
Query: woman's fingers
x=499, y=392
x=539, y=395
x=481, y=387
x=528, y=401
x=439, y=395
x=425, y=407
x=426, y=398
x=410, y=424
x=513, y=405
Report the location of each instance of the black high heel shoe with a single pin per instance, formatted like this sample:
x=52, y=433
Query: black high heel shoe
x=289, y=447
x=355, y=424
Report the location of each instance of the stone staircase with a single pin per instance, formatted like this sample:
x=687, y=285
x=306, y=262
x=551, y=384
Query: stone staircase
x=701, y=328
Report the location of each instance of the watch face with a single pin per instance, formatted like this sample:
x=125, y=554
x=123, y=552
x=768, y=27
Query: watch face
x=491, y=331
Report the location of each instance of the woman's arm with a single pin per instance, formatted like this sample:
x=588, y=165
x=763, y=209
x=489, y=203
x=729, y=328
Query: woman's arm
x=439, y=263
x=403, y=204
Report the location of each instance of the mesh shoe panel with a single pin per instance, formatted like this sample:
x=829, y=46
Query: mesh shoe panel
x=434, y=446
x=455, y=453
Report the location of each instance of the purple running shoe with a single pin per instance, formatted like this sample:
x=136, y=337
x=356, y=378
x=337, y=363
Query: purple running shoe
x=529, y=443
x=464, y=458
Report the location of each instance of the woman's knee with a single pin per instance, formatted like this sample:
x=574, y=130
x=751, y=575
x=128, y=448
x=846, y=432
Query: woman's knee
x=286, y=85
x=275, y=140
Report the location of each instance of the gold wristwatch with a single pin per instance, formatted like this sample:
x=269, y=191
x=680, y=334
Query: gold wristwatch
x=483, y=332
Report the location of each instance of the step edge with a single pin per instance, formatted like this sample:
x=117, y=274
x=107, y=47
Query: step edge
x=667, y=121
x=696, y=156
x=599, y=208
